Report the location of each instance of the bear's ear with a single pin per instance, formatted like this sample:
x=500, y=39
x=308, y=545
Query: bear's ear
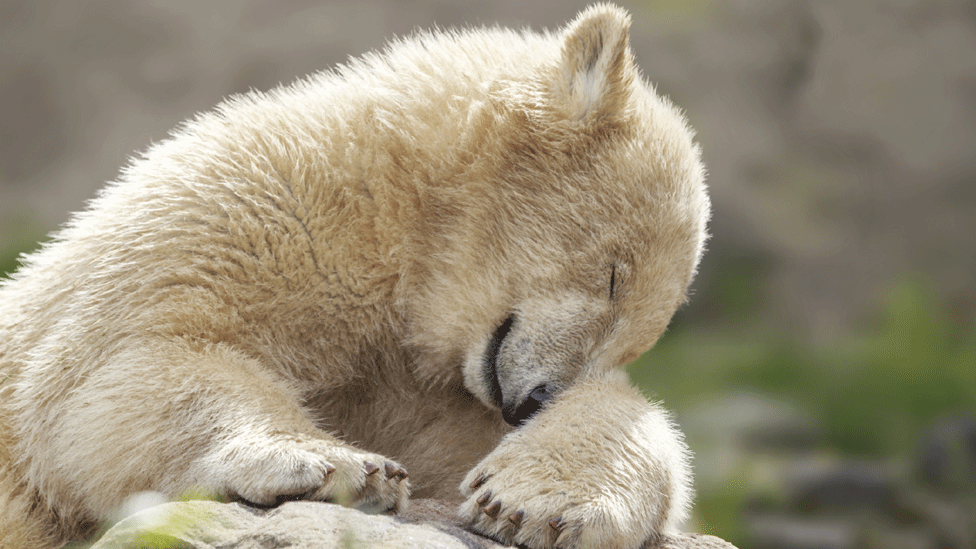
x=596, y=70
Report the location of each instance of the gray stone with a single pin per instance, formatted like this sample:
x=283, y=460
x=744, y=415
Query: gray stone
x=947, y=459
x=307, y=525
x=729, y=431
x=772, y=531
x=817, y=487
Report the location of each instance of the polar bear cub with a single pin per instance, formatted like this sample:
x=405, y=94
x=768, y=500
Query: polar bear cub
x=432, y=260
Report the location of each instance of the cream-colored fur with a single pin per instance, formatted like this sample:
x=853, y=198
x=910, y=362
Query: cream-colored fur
x=308, y=292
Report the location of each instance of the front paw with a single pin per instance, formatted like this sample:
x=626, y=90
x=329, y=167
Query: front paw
x=268, y=470
x=599, y=467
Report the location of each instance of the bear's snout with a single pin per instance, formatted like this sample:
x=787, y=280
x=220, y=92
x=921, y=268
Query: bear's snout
x=516, y=414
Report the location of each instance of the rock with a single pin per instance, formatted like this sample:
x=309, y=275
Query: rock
x=729, y=431
x=690, y=541
x=307, y=525
x=825, y=503
x=947, y=460
x=818, y=487
x=780, y=531
x=783, y=531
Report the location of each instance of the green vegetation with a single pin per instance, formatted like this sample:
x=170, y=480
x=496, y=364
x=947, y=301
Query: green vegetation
x=873, y=393
x=19, y=233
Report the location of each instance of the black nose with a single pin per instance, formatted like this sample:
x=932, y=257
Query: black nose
x=517, y=415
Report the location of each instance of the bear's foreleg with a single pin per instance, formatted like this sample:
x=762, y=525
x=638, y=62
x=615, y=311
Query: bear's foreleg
x=599, y=466
x=187, y=417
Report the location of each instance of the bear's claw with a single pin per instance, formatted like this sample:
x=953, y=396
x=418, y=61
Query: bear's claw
x=478, y=481
x=394, y=471
x=493, y=509
x=516, y=518
x=485, y=498
x=508, y=526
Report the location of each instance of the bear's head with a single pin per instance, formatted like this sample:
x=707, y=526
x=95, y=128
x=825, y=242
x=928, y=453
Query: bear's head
x=575, y=240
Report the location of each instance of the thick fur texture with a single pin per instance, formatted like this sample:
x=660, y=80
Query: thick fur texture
x=309, y=292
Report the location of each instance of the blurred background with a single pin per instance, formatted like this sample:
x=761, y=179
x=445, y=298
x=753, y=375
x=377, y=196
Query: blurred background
x=825, y=369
